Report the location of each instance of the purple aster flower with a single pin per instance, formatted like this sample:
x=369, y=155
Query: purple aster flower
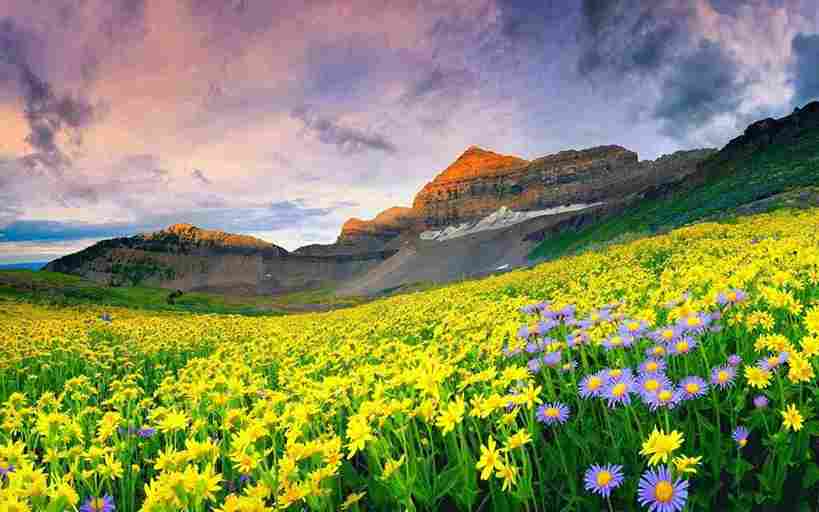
x=524, y=332
x=760, y=401
x=666, y=397
x=551, y=414
x=601, y=315
x=603, y=479
x=533, y=347
x=578, y=337
x=510, y=352
x=694, y=324
x=592, y=385
x=667, y=334
x=569, y=366
x=650, y=384
x=783, y=357
x=731, y=297
x=660, y=493
x=146, y=433
x=104, y=504
x=693, y=387
x=616, y=374
x=6, y=468
x=618, y=341
x=618, y=392
x=529, y=309
x=635, y=328
x=682, y=346
x=657, y=351
x=533, y=365
x=652, y=366
x=544, y=326
x=734, y=360
x=770, y=363
x=723, y=376
x=552, y=359
x=740, y=435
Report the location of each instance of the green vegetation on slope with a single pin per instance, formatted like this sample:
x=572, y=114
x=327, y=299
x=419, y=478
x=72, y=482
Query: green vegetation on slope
x=731, y=183
x=55, y=288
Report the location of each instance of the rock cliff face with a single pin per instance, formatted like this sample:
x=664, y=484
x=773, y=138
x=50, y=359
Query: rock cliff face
x=480, y=182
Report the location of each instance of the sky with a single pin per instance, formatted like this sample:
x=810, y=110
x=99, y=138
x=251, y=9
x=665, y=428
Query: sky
x=281, y=119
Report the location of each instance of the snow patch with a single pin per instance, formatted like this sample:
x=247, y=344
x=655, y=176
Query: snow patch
x=502, y=218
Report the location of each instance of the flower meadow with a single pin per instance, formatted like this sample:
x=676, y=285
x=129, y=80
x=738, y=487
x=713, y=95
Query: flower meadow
x=673, y=373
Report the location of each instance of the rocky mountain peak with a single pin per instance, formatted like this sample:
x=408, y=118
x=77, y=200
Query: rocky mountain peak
x=476, y=162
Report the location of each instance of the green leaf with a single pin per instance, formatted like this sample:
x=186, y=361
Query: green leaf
x=811, y=475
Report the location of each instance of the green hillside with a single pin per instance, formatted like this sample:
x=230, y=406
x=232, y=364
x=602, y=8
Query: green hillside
x=730, y=179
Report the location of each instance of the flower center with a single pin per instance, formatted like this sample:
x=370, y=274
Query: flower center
x=732, y=296
x=619, y=390
x=614, y=374
x=665, y=395
x=594, y=383
x=633, y=326
x=682, y=346
x=663, y=491
x=552, y=412
x=773, y=361
x=603, y=478
x=668, y=334
x=658, y=350
x=652, y=366
x=651, y=385
x=616, y=340
x=693, y=321
x=692, y=387
x=98, y=504
x=722, y=376
x=743, y=442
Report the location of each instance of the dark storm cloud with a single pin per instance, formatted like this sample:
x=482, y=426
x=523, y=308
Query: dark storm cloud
x=199, y=176
x=348, y=140
x=699, y=87
x=46, y=112
x=628, y=37
x=806, y=68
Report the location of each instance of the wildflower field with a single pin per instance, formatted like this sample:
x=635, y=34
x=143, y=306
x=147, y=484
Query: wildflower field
x=672, y=373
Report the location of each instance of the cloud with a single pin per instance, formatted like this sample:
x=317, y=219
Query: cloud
x=700, y=87
x=47, y=113
x=349, y=140
x=806, y=68
x=199, y=176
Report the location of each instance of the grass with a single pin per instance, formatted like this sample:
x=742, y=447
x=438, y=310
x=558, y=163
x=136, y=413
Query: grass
x=54, y=288
x=732, y=181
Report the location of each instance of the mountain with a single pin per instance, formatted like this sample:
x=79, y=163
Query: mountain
x=483, y=213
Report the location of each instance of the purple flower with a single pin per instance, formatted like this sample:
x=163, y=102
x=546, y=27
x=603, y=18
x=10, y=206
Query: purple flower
x=694, y=324
x=104, y=504
x=592, y=385
x=618, y=392
x=740, y=435
x=603, y=479
x=533, y=365
x=544, y=326
x=552, y=359
x=760, y=401
x=569, y=366
x=652, y=366
x=618, y=341
x=666, y=334
x=660, y=493
x=682, y=346
x=6, y=468
x=554, y=413
x=770, y=363
x=731, y=297
x=523, y=332
x=616, y=374
x=635, y=328
x=665, y=397
x=734, y=360
x=657, y=351
x=650, y=384
x=723, y=376
x=693, y=387
x=146, y=433
x=577, y=338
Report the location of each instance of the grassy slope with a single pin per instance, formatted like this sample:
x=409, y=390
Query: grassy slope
x=772, y=170
x=63, y=289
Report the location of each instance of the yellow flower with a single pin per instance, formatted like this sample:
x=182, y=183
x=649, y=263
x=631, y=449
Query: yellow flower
x=451, y=416
x=757, y=377
x=352, y=499
x=520, y=438
x=173, y=421
x=490, y=459
x=660, y=445
x=509, y=473
x=810, y=345
x=792, y=418
x=812, y=320
x=799, y=369
x=686, y=464
x=391, y=466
